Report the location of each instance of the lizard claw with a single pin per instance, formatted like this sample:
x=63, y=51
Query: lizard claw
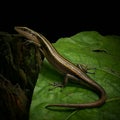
x=55, y=85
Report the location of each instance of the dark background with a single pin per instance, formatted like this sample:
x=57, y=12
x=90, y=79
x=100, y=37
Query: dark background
x=61, y=19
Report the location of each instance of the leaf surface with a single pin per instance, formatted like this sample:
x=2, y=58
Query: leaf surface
x=94, y=51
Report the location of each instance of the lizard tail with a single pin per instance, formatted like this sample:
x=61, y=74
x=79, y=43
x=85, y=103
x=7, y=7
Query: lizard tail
x=102, y=98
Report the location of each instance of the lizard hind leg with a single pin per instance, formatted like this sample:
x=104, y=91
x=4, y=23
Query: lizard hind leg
x=85, y=68
x=65, y=81
x=69, y=77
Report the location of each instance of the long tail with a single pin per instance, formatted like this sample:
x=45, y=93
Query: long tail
x=96, y=87
x=102, y=97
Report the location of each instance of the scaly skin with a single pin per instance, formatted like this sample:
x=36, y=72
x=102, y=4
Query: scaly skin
x=65, y=67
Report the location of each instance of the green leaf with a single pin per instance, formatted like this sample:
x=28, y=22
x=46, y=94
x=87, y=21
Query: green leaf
x=90, y=49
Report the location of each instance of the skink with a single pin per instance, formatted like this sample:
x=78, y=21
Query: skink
x=65, y=67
